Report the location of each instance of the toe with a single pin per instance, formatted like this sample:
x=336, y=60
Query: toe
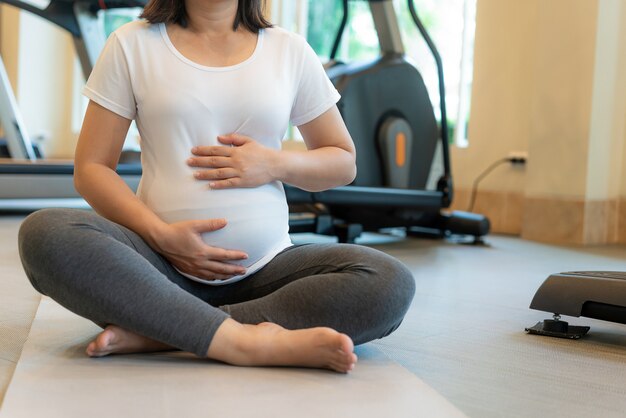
x=105, y=338
x=342, y=367
x=91, y=349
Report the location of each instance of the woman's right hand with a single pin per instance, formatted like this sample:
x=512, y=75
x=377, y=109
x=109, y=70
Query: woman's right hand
x=181, y=243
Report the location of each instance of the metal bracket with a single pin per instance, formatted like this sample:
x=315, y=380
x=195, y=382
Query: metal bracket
x=557, y=328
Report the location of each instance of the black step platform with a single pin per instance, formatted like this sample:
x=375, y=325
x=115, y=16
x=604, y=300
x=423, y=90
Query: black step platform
x=591, y=294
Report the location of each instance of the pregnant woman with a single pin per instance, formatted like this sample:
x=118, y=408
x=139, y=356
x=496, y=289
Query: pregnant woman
x=200, y=259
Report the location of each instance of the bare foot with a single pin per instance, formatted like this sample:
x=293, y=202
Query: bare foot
x=116, y=340
x=269, y=344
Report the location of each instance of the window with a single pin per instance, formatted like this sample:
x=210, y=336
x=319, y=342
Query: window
x=451, y=24
x=359, y=41
x=293, y=16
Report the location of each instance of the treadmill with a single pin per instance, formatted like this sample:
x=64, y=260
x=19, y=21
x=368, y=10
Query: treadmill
x=28, y=181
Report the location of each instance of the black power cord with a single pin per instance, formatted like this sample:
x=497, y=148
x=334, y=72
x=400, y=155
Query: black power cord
x=487, y=171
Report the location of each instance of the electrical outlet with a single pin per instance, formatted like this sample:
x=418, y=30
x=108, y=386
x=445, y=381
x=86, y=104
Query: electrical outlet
x=518, y=155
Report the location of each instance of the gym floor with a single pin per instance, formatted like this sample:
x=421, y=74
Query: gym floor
x=464, y=334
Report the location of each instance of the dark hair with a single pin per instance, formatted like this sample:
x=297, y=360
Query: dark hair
x=249, y=14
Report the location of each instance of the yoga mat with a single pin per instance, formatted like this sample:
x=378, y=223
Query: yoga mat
x=54, y=378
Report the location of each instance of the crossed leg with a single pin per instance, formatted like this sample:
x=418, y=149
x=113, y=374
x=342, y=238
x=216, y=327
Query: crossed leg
x=113, y=277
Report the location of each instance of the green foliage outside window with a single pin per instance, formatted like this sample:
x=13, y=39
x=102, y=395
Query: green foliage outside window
x=114, y=18
x=360, y=42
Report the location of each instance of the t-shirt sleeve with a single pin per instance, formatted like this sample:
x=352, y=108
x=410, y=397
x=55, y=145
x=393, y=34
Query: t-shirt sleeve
x=315, y=93
x=109, y=83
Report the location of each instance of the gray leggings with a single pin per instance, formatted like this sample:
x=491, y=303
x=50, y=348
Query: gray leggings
x=108, y=274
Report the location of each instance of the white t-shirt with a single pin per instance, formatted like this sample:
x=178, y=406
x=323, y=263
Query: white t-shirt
x=178, y=104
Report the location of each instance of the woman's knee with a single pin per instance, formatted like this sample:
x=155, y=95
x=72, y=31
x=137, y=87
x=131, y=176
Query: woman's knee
x=385, y=282
x=44, y=229
x=395, y=283
x=42, y=238
x=386, y=291
x=386, y=271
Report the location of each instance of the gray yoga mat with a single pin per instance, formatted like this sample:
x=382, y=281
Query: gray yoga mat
x=54, y=378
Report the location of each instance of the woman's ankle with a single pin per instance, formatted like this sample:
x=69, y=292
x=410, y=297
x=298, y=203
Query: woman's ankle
x=230, y=343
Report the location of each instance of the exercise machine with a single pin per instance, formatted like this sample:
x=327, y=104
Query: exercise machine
x=389, y=114
x=592, y=294
x=28, y=181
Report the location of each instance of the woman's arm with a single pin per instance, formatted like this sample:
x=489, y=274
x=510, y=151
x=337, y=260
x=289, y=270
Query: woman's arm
x=328, y=162
x=99, y=147
x=330, y=159
x=97, y=153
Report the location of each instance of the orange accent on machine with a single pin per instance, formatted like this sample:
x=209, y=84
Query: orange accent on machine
x=400, y=149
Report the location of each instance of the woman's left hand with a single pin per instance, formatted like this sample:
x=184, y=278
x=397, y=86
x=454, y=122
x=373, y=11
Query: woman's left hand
x=244, y=164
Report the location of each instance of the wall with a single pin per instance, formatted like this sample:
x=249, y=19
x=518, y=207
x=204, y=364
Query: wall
x=40, y=62
x=45, y=84
x=9, y=27
x=607, y=137
x=504, y=60
x=550, y=79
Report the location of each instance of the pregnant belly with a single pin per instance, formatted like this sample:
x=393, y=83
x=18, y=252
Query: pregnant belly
x=259, y=230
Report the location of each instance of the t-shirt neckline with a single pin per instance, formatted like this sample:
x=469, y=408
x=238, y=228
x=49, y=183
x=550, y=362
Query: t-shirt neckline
x=176, y=52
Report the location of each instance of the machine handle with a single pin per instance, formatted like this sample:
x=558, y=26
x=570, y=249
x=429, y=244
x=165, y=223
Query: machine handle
x=340, y=32
x=442, y=88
